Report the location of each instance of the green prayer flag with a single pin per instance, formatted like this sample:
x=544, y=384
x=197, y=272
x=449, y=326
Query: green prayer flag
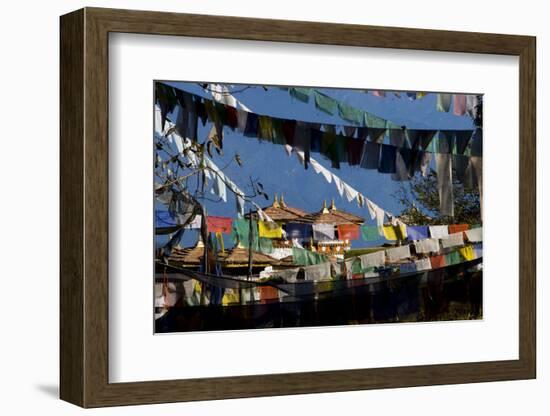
x=374, y=121
x=240, y=231
x=370, y=232
x=347, y=112
x=452, y=258
x=325, y=103
x=303, y=257
x=301, y=94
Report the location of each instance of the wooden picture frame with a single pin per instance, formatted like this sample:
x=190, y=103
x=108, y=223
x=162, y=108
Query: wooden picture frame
x=84, y=207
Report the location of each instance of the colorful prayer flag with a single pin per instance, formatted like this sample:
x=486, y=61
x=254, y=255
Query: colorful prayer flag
x=219, y=224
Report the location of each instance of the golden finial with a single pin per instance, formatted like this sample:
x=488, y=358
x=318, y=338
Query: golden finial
x=283, y=201
x=333, y=206
x=275, y=202
x=325, y=210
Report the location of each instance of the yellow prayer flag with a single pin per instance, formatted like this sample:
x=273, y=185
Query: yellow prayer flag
x=389, y=232
x=269, y=229
x=400, y=232
x=230, y=296
x=467, y=252
x=394, y=232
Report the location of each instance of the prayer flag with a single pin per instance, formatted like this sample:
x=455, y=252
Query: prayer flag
x=300, y=231
x=417, y=232
x=325, y=103
x=458, y=228
x=370, y=232
x=452, y=240
x=398, y=253
x=348, y=232
x=428, y=245
x=437, y=261
x=475, y=235
x=219, y=224
x=322, y=232
x=467, y=253
x=269, y=229
x=375, y=259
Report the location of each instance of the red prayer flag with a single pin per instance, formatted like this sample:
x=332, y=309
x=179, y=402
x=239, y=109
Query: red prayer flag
x=219, y=224
x=458, y=228
x=348, y=231
x=438, y=261
x=268, y=294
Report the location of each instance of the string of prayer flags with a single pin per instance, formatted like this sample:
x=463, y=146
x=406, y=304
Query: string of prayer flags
x=348, y=231
x=396, y=158
x=269, y=229
x=219, y=224
x=238, y=118
x=343, y=188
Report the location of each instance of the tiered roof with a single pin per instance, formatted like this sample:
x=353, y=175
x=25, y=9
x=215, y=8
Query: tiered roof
x=333, y=215
x=279, y=211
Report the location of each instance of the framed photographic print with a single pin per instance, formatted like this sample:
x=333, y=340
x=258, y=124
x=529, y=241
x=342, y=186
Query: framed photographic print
x=277, y=207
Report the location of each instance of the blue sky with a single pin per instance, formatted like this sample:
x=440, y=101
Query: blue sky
x=282, y=174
